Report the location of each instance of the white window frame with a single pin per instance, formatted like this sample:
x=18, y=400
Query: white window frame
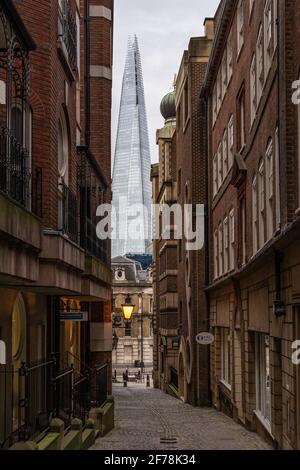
x=220, y=166
x=259, y=65
x=224, y=74
x=230, y=142
x=219, y=91
x=225, y=154
x=240, y=25
x=268, y=34
x=215, y=175
x=214, y=104
x=221, y=250
x=253, y=89
x=270, y=190
x=226, y=244
x=261, y=204
x=254, y=215
x=231, y=240
x=216, y=255
x=225, y=356
x=229, y=59
x=263, y=378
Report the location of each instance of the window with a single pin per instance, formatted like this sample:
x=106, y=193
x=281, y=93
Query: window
x=243, y=245
x=225, y=356
x=220, y=167
x=240, y=25
x=230, y=142
x=231, y=241
x=215, y=111
x=219, y=91
x=229, y=59
x=259, y=66
x=186, y=102
x=225, y=154
x=261, y=203
x=241, y=121
x=277, y=180
x=178, y=118
x=62, y=163
x=254, y=215
x=270, y=190
x=262, y=373
x=268, y=28
x=226, y=245
x=224, y=75
x=253, y=88
x=128, y=329
x=216, y=257
x=215, y=175
x=221, y=249
x=251, y=6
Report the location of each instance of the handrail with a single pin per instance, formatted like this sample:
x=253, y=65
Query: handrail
x=79, y=360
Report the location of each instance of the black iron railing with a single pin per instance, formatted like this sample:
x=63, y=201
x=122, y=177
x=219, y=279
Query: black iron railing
x=101, y=384
x=63, y=384
x=174, y=377
x=15, y=176
x=68, y=212
x=67, y=31
x=81, y=397
x=93, y=244
x=35, y=402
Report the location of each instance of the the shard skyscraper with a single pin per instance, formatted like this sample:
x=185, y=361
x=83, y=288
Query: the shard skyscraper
x=132, y=164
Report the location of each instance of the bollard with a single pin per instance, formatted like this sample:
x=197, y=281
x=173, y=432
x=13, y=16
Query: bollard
x=125, y=383
x=148, y=380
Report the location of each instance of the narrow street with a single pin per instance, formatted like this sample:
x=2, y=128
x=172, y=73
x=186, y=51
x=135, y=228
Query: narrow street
x=147, y=419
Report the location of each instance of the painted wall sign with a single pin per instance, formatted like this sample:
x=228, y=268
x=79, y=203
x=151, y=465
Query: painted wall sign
x=73, y=316
x=2, y=353
x=205, y=338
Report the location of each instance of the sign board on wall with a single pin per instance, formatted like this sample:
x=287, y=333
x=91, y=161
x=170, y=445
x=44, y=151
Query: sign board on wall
x=2, y=353
x=74, y=316
x=205, y=338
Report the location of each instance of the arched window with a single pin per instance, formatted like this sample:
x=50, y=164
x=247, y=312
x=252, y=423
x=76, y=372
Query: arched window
x=63, y=149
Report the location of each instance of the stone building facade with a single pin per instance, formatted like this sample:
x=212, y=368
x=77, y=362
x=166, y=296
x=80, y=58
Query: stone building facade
x=165, y=273
x=134, y=344
x=253, y=224
x=54, y=172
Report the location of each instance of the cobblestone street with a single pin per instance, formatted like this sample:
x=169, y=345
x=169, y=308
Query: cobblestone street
x=147, y=419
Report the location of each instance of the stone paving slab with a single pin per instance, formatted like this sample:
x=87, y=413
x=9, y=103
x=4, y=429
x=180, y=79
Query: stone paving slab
x=148, y=419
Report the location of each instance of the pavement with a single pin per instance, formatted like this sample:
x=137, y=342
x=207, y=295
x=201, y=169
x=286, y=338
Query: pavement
x=148, y=419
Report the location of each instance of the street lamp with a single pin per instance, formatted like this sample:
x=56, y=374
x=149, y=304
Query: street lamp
x=128, y=308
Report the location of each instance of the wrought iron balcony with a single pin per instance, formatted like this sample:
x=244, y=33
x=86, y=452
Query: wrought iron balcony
x=67, y=32
x=92, y=188
x=15, y=176
x=68, y=215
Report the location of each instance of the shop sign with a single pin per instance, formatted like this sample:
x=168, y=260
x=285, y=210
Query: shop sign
x=205, y=338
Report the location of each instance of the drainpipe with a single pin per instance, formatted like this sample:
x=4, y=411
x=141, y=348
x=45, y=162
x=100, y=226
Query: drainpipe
x=87, y=43
x=205, y=132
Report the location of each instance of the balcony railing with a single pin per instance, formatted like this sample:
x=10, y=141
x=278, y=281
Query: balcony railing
x=67, y=31
x=15, y=176
x=92, y=188
x=68, y=215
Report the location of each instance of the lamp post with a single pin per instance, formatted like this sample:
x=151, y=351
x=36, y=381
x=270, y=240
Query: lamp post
x=128, y=308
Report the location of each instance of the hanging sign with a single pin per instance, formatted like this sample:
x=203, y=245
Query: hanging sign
x=205, y=338
x=2, y=353
x=74, y=316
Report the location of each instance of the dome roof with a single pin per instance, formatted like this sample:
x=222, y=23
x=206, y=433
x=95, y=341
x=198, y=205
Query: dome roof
x=167, y=107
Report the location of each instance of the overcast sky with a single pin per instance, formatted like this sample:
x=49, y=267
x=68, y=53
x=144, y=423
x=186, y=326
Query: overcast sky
x=163, y=28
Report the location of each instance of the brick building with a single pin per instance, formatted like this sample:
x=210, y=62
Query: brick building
x=192, y=311
x=253, y=225
x=165, y=254
x=54, y=172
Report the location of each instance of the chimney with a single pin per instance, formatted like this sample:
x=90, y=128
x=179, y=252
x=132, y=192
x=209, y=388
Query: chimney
x=209, y=28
